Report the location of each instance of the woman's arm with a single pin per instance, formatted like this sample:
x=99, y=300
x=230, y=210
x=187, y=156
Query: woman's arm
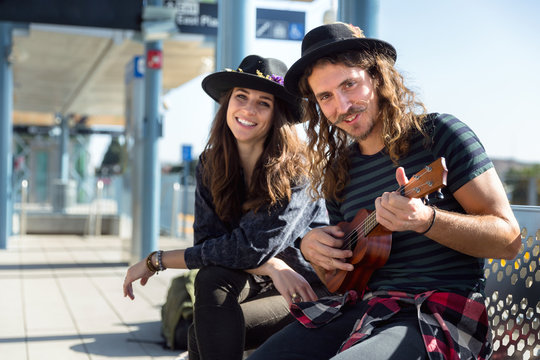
x=287, y=281
x=173, y=259
x=258, y=237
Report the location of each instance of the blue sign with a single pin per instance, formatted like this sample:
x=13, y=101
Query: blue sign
x=280, y=24
x=186, y=153
x=135, y=69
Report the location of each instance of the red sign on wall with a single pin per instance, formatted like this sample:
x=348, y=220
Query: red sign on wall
x=154, y=59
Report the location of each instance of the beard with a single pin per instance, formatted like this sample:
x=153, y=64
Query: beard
x=353, y=111
x=366, y=134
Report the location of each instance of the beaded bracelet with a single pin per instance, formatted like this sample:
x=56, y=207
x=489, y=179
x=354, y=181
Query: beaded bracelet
x=432, y=221
x=149, y=263
x=160, y=260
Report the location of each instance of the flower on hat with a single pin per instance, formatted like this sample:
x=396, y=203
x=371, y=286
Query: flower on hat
x=275, y=78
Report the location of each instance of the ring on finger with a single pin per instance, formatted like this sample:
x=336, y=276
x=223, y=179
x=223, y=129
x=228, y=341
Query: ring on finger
x=296, y=298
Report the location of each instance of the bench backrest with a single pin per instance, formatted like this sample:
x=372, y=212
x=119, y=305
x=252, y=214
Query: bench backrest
x=513, y=293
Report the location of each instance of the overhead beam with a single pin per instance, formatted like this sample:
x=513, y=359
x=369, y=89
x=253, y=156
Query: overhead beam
x=30, y=118
x=117, y=14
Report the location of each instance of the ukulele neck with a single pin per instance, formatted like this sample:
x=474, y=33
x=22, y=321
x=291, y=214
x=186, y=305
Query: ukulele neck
x=370, y=223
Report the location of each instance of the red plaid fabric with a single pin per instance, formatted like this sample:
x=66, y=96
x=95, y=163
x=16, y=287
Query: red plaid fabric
x=454, y=327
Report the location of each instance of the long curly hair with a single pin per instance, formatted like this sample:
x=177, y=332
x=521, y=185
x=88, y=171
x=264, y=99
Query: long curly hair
x=282, y=163
x=328, y=146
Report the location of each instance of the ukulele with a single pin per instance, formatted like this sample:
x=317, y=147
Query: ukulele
x=370, y=241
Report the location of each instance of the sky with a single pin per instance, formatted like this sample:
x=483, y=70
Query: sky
x=477, y=60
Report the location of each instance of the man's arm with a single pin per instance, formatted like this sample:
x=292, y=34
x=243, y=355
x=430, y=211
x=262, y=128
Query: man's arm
x=488, y=230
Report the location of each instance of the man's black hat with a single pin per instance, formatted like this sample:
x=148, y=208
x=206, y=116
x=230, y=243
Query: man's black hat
x=330, y=39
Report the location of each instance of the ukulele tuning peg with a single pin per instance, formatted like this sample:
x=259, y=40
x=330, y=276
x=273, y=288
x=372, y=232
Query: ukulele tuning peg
x=439, y=194
x=425, y=200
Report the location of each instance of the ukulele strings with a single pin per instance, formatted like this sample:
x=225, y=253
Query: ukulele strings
x=370, y=220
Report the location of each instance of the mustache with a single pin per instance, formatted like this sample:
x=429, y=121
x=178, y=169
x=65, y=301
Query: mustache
x=353, y=110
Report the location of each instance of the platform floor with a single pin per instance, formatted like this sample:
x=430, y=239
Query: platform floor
x=61, y=298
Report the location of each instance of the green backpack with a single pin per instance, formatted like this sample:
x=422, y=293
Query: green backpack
x=177, y=312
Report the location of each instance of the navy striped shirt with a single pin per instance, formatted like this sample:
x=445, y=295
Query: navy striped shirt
x=417, y=263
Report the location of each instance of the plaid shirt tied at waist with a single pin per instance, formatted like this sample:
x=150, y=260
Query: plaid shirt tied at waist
x=453, y=326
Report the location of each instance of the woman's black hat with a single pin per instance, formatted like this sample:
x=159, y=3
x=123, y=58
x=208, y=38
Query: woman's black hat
x=254, y=72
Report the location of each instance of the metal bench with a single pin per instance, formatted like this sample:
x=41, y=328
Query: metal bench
x=513, y=294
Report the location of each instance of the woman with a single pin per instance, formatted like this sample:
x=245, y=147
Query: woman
x=252, y=203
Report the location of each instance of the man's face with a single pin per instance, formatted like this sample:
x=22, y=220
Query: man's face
x=347, y=97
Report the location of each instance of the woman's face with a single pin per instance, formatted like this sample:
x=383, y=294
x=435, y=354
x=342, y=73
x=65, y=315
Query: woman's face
x=249, y=115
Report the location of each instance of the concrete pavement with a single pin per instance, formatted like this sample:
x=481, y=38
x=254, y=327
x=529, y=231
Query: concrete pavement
x=61, y=298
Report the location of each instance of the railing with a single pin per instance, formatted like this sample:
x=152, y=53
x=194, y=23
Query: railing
x=106, y=201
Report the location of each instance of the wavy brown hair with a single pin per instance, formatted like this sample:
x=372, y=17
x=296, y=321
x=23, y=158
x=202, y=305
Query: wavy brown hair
x=328, y=145
x=281, y=165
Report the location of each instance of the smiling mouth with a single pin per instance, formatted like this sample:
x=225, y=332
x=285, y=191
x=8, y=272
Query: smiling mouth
x=347, y=118
x=350, y=115
x=350, y=118
x=245, y=122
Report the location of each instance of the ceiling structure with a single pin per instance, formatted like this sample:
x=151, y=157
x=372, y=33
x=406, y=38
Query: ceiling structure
x=80, y=72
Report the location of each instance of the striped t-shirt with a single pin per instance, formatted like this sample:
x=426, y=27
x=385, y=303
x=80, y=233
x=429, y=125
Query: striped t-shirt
x=417, y=263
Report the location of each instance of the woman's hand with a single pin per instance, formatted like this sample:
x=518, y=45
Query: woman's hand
x=135, y=272
x=291, y=285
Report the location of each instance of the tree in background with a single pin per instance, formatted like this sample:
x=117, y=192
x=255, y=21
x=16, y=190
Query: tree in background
x=524, y=185
x=115, y=159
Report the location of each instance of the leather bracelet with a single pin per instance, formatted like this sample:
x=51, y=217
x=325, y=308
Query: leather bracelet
x=149, y=263
x=432, y=221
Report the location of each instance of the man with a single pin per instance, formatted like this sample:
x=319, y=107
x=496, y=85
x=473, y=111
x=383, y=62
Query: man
x=367, y=134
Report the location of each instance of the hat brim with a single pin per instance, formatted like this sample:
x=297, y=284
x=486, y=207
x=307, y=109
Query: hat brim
x=361, y=44
x=217, y=84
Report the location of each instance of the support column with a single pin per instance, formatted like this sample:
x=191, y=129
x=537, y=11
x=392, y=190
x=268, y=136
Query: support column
x=152, y=131
x=361, y=13
x=64, y=189
x=232, y=34
x=6, y=133
x=63, y=149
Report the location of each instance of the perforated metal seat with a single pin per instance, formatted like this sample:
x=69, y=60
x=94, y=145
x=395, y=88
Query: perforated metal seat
x=513, y=294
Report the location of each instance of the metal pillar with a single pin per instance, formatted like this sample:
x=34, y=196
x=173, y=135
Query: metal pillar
x=362, y=13
x=231, y=34
x=133, y=177
x=63, y=149
x=152, y=131
x=63, y=188
x=186, y=155
x=6, y=132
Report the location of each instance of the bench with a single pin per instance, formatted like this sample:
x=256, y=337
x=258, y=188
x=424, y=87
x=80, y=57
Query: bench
x=513, y=294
